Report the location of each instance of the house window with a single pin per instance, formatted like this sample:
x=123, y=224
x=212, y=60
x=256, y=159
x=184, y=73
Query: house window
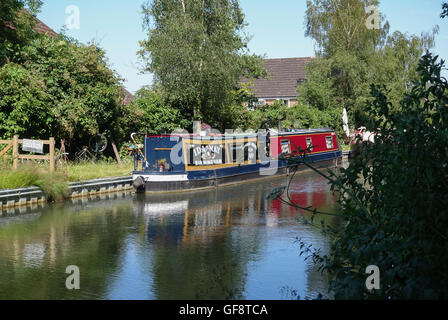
x=286, y=102
x=329, y=141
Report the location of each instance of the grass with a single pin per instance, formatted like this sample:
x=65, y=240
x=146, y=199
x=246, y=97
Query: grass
x=94, y=170
x=55, y=184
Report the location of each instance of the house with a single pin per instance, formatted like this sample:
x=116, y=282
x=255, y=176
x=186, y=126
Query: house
x=284, y=75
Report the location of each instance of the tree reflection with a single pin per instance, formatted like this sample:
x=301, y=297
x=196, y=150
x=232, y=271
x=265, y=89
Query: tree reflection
x=204, y=245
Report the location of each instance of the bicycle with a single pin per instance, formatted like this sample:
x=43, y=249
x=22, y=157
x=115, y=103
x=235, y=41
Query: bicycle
x=97, y=144
x=84, y=154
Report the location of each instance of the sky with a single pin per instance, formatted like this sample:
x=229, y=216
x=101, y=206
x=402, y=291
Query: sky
x=277, y=28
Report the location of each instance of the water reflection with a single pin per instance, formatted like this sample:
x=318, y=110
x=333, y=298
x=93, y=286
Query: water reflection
x=219, y=244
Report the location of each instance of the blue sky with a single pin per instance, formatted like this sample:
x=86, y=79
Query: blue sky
x=277, y=28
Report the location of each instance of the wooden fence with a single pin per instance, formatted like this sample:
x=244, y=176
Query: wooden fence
x=14, y=143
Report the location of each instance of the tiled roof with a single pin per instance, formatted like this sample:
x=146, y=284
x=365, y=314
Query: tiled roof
x=127, y=97
x=284, y=75
x=42, y=28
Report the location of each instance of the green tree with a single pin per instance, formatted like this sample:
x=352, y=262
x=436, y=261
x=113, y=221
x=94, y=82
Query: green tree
x=16, y=26
x=268, y=115
x=303, y=116
x=151, y=114
x=61, y=88
x=444, y=13
x=197, y=50
x=351, y=56
x=393, y=198
x=341, y=26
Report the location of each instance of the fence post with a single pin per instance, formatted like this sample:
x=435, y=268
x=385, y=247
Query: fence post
x=15, y=152
x=117, y=155
x=52, y=161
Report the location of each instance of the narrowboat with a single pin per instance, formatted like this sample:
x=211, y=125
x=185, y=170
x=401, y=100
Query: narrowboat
x=185, y=162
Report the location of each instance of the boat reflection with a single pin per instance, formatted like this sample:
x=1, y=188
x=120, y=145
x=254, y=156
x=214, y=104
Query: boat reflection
x=226, y=231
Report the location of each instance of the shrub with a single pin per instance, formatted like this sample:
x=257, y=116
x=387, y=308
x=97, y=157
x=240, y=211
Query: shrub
x=61, y=88
x=149, y=113
x=393, y=198
x=302, y=116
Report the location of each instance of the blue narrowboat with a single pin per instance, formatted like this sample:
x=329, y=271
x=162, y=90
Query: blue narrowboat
x=184, y=162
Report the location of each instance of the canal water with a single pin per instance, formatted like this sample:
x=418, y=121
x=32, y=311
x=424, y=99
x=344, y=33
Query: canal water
x=229, y=243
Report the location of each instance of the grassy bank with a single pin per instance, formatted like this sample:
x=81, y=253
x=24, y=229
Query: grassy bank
x=95, y=170
x=55, y=184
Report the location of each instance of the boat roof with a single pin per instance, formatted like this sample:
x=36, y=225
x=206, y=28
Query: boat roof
x=242, y=134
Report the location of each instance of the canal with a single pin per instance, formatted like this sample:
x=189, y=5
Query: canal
x=229, y=243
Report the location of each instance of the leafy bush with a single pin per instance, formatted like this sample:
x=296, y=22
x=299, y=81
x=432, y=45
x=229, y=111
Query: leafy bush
x=302, y=116
x=61, y=88
x=235, y=116
x=25, y=105
x=394, y=198
x=149, y=113
x=267, y=116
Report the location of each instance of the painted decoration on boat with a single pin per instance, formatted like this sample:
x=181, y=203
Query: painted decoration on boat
x=207, y=154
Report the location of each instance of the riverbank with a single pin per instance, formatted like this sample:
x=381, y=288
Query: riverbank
x=35, y=175
x=30, y=196
x=56, y=185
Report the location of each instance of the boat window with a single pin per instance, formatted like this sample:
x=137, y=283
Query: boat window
x=250, y=152
x=285, y=146
x=309, y=143
x=329, y=141
x=237, y=153
x=246, y=152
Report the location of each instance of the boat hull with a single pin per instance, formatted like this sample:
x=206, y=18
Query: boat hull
x=153, y=183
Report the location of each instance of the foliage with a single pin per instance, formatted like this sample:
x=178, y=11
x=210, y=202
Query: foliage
x=16, y=26
x=151, y=114
x=340, y=26
x=268, y=115
x=351, y=56
x=444, y=13
x=24, y=107
x=393, y=197
x=61, y=88
x=197, y=50
x=319, y=90
x=235, y=116
x=301, y=116
x=53, y=184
